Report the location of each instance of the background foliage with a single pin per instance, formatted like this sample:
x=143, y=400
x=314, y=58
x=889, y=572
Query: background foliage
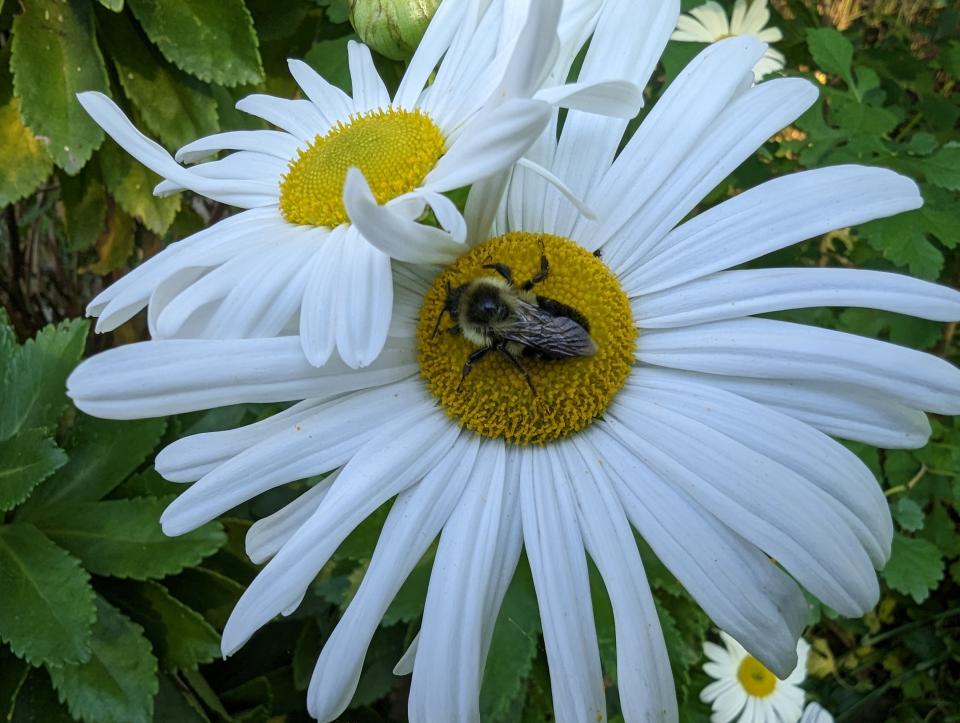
x=104, y=619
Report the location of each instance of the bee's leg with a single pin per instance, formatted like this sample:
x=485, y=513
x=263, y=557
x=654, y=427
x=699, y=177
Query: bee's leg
x=518, y=366
x=471, y=360
x=503, y=270
x=436, y=327
x=541, y=274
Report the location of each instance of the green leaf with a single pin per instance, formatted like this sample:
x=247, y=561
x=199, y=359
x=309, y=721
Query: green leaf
x=181, y=637
x=175, y=703
x=901, y=241
x=114, y=245
x=407, y=605
x=908, y=514
x=24, y=162
x=46, y=602
x=213, y=594
x=174, y=106
x=941, y=531
x=33, y=388
x=832, y=52
x=512, y=649
x=55, y=56
x=103, y=453
x=131, y=184
x=14, y=674
x=915, y=567
x=119, y=681
x=37, y=701
x=84, y=208
x=122, y=538
x=211, y=39
x=28, y=459
x=943, y=167
x=115, y=5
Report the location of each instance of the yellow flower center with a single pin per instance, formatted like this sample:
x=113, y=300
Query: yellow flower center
x=756, y=679
x=495, y=399
x=395, y=149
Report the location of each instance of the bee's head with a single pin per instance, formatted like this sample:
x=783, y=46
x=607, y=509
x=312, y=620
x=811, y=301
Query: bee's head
x=485, y=303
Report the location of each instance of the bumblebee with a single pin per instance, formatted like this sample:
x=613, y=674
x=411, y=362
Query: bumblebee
x=495, y=314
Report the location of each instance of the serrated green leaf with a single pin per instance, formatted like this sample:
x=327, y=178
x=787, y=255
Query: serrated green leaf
x=901, y=241
x=941, y=530
x=84, y=207
x=103, y=453
x=943, y=167
x=46, y=602
x=118, y=682
x=24, y=162
x=181, y=638
x=28, y=458
x=512, y=649
x=921, y=144
x=175, y=703
x=863, y=124
x=131, y=184
x=174, y=106
x=208, y=591
x=915, y=567
x=213, y=40
x=832, y=52
x=55, y=56
x=33, y=388
x=122, y=538
x=908, y=514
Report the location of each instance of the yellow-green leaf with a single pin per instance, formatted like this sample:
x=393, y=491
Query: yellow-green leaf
x=131, y=184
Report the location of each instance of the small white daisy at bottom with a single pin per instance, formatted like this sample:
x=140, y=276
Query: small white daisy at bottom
x=695, y=423
x=744, y=690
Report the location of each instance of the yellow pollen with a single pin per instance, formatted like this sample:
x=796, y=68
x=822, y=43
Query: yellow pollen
x=495, y=400
x=756, y=679
x=395, y=149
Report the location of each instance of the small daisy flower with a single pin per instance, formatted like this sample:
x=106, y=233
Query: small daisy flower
x=744, y=690
x=708, y=23
x=693, y=422
x=335, y=194
x=815, y=713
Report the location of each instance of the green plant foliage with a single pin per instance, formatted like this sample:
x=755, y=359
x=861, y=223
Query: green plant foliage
x=55, y=55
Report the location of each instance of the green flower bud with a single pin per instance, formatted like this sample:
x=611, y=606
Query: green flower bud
x=392, y=27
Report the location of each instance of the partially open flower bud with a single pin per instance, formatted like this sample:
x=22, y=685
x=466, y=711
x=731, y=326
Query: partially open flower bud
x=392, y=27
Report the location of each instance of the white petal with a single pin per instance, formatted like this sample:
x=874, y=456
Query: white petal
x=400, y=455
x=555, y=550
x=713, y=17
x=773, y=215
x=393, y=233
x=673, y=131
x=435, y=41
x=109, y=117
x=276, y=143
x=447, y=213
x=491, y=142
x=643, y=668
x=733, y=581
x=266, y=536
x=766, y=503
x=732, y=294
x=811, y=454
x=615, y=98
x=158, y=378
x=769, y=349
x=300, y=118
x=463, y=593
x=318, y=311
x=364, y=300
x=415, y=520
x=369, y=92
x=325, y=440
x=815, y=713
x=190, y=458
x=331, y=102
x=836, y=409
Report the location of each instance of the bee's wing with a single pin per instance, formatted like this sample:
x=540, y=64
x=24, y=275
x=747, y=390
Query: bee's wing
x=554, y=336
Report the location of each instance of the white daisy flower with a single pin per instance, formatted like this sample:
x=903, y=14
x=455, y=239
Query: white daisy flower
x=335, y=194
x=744, y=690
x=701, y=427
x=815, y=713
x=708, y=23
